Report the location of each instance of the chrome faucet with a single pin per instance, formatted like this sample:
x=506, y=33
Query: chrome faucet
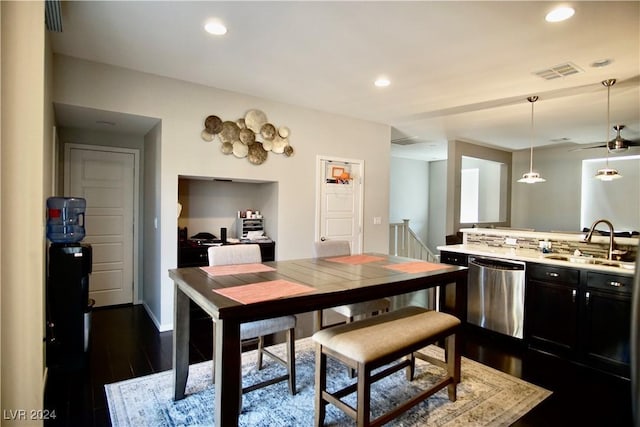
x=612, y=245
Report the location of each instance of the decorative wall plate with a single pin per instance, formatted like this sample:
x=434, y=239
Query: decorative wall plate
x=254, y=119
x=213, y=124
x=288, y=151
x=230, y=132
x=247, y=136
x=267, y=145
x=283, y=131
x=268, y=131
x=226, y=147
x=279, y=144
x=206, y=136
x=240, y=150
x=257, y=154
x=241, y=124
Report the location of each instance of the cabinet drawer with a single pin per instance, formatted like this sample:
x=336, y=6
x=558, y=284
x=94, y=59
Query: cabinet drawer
x=553, y=274
x=610, y=282
x=454, y=258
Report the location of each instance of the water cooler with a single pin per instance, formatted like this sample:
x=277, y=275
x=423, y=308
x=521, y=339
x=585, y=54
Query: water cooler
x=69, y=267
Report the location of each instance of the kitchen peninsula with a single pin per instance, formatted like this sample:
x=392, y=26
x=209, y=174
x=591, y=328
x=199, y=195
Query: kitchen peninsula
x=577, y=301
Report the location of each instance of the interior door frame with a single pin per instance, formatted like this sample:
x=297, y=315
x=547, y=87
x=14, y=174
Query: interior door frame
x=136, y=198
x=319, y=165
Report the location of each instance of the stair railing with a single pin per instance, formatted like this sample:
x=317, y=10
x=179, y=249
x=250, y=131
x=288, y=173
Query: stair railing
x=403, y=241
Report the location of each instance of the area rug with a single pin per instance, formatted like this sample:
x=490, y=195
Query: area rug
x=486, y=397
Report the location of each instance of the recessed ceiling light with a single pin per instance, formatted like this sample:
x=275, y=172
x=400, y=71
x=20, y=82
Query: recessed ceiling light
x=382, y=82
x=560, y=14
x=216, y=28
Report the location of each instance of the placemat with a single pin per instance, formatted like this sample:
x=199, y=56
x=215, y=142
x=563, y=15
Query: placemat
x=264, y=291
x=223, y=270
x=356, y=259
x=416, y=266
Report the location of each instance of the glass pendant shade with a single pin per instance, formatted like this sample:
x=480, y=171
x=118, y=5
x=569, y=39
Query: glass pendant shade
x=531, y=177
x=607, y=173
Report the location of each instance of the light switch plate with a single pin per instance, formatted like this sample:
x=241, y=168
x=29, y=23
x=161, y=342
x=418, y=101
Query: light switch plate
x=377, y=220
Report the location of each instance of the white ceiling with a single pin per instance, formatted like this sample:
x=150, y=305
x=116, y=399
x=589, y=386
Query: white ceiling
x=459, y=70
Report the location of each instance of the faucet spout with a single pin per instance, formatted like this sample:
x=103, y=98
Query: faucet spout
x=611, y=236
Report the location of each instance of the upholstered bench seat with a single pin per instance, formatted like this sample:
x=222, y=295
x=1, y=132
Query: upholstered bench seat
x=377, y=341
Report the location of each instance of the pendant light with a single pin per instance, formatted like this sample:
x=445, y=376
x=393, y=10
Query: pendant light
x=607, y=173
x=531, y=177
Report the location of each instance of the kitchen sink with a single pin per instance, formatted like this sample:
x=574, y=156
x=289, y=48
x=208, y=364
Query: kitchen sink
x=591, y=260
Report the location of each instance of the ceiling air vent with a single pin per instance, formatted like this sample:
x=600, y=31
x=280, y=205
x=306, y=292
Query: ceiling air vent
x=562, y=70
x=408, y=140
x=53, y=15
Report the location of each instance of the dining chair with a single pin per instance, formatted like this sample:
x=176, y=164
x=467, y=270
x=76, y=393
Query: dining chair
x=336, y=248
x=249, y=254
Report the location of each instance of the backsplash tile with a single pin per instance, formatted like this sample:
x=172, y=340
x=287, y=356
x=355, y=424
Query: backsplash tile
x=559, y=246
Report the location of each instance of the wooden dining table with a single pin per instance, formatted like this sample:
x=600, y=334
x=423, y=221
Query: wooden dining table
x=232, y=295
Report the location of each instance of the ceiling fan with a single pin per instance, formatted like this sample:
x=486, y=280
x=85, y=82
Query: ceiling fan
x=618, y=144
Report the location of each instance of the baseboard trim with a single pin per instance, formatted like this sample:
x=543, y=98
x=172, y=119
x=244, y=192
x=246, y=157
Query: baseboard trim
x=159, y=326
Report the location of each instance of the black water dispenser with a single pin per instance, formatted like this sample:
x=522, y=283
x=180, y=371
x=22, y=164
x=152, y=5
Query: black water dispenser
x=69, y=267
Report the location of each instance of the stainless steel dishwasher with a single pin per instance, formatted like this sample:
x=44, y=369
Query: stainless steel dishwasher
x=496, y=295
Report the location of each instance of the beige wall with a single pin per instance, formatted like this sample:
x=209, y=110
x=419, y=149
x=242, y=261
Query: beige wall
x=26, y=156
x=555, y=204
x=182, y=108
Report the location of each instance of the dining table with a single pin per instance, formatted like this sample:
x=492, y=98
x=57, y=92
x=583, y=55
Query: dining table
x=240, y=293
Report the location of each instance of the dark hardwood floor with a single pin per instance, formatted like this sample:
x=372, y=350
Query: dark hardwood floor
x=126, y=344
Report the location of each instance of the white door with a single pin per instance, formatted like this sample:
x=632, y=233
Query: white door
x=340, y=201
x=105, y=177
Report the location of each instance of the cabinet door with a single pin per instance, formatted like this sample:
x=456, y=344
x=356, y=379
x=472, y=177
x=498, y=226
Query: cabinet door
x=552, y=315
x=607, y=330
x=448, y=293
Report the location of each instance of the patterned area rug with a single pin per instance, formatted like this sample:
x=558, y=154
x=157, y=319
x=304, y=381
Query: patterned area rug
x=486, y=397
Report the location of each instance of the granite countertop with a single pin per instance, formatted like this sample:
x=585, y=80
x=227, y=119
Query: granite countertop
x=528, y=255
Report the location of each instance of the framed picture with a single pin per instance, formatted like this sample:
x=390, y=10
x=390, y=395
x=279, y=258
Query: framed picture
x=336, y=172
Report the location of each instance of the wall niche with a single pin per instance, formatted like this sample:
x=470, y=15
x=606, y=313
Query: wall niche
x=210, y=204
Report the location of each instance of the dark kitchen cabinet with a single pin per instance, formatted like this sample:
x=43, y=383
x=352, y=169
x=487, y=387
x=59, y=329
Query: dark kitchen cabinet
x=448, y=293
x=579, y=314
x=194, y=255
x=606, y=322
x=551, y=308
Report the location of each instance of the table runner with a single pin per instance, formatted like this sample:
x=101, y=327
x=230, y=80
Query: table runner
x=356, y=259
x=223, y=270
x=416, y=266
x=263, y=291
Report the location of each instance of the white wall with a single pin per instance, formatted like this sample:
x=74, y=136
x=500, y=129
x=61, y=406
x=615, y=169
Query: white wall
x=437, y=204
x=605, y=199
x=409, y=194
x=26, y=163
x=151, y=248
x=182, y=107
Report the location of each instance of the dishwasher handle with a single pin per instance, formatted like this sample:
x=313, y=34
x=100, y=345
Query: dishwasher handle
x=496, y=264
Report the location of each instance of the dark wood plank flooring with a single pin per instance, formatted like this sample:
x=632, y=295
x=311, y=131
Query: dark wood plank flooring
x=126, y=344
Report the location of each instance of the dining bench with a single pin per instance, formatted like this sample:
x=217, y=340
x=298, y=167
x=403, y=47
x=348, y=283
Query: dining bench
x=393, y=339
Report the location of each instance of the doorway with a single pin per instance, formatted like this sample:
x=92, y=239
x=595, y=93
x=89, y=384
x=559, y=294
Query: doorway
x=339, y=201
x=107, y=177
